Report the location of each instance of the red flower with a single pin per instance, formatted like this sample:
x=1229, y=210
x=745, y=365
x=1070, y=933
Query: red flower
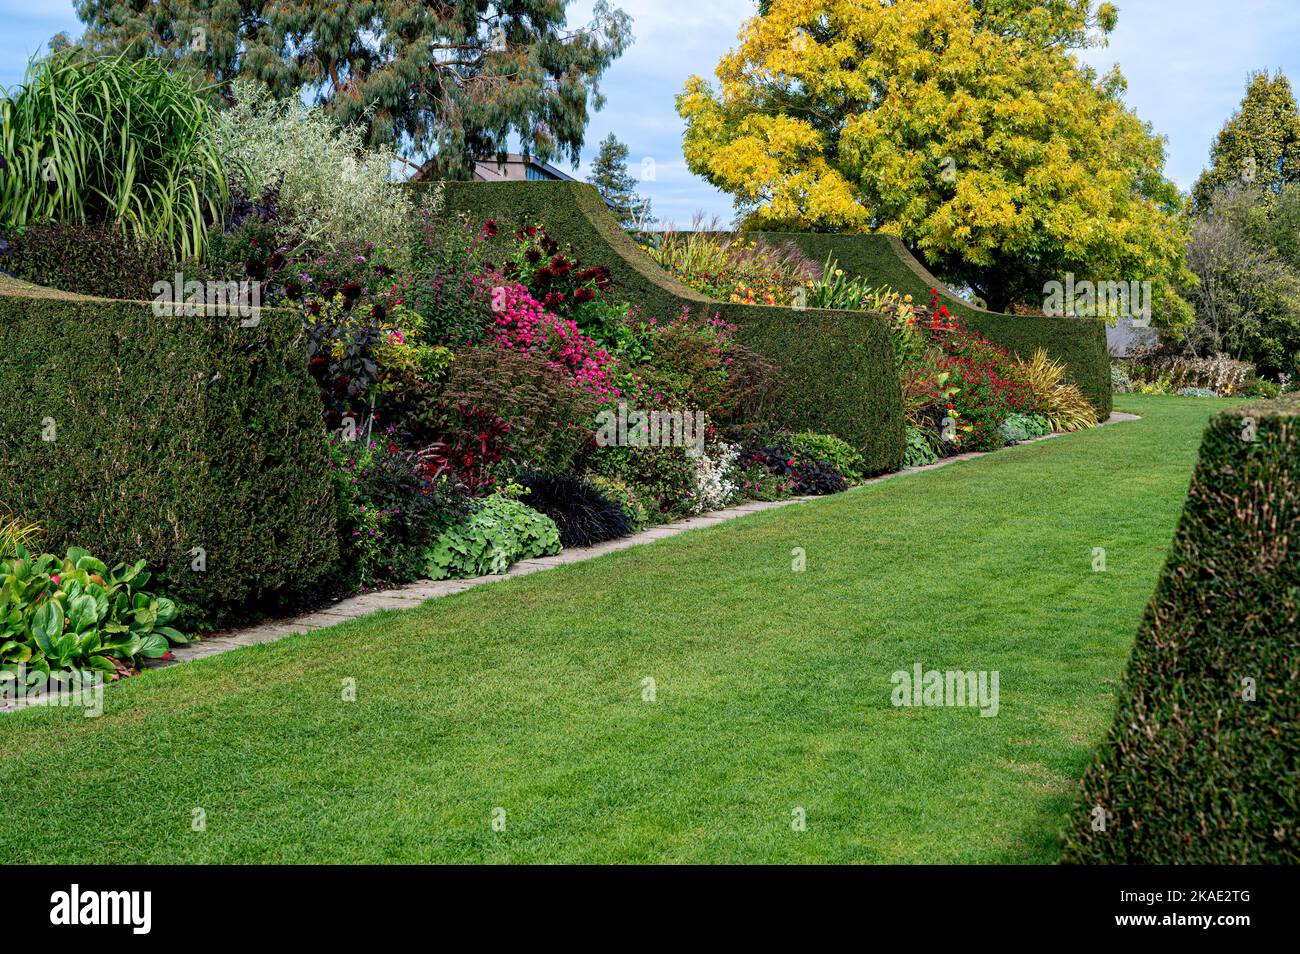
x=490, y=228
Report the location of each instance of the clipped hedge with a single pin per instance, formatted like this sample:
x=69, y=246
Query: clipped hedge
x=838, y=372
x=170, y=433
x=1194, y=772
x=1077, y=343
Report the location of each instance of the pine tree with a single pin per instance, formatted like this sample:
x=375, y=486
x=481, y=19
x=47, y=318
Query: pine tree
x=450, y=81
x=1259, y=146
x=610, y=177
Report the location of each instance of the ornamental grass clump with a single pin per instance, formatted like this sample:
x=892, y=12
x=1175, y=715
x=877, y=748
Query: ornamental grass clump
x=583, y=513
x=730, y=267
x=1061, y=402
x=130, y=142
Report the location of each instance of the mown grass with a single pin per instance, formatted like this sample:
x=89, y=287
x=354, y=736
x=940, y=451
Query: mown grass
x=772, y=692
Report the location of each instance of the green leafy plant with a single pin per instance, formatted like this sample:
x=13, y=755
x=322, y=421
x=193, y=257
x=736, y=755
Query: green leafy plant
x=93, y=139
x=73, y=615
x=1024, y=427
x=1263, y=388
x=499, y=531
x=756, y=482
x=831, y=450
x=835, y=288
x=625, y=497
x=919, y=451
x=664, y=477
x=388, y=510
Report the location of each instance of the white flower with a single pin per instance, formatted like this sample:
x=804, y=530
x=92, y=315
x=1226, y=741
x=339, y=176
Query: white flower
x=715, y=485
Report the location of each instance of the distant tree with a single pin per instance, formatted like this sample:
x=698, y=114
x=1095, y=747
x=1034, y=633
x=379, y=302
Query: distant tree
x=1259, y=145
x=448, y=80
x=1247, y=302
x=968, y=128
x=610, y=177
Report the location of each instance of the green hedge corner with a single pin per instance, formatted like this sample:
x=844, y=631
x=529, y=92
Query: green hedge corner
x=170, y=436
x=1194, y=770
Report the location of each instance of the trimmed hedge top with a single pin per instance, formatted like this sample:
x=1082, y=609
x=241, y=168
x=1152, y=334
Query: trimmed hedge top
x=190, y=442
x=838, y=373
x=1078, y=343
x=1202, y=764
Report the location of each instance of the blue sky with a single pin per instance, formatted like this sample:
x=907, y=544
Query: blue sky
x=1186, y=62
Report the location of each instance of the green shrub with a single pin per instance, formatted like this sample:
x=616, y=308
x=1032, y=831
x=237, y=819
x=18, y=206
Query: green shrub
x=837, y=371
x=96, y=259
x=388, y=511
x=1024, y=427
x=90, y=139
x=1263, y=388
x=756, y=482
x=919, y=451
x=75, y=616
x=1197, y=392
x=831, y=450
x=328, y=186
x=625, y=497
x=664, y=477
x=499, y=532
x=193, y=443
x=1201, y=762
x=1119, y=380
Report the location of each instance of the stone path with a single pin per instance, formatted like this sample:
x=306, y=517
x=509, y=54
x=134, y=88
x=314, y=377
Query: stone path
x=414, y=594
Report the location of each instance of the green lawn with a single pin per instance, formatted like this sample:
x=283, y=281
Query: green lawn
x=773, y=692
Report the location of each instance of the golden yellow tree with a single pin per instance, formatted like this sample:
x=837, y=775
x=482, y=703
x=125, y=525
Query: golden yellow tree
x=967, y=128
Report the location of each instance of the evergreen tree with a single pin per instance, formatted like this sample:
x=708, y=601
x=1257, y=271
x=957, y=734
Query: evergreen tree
x=1260, y=144
x=448, y=80
x=610, y=177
